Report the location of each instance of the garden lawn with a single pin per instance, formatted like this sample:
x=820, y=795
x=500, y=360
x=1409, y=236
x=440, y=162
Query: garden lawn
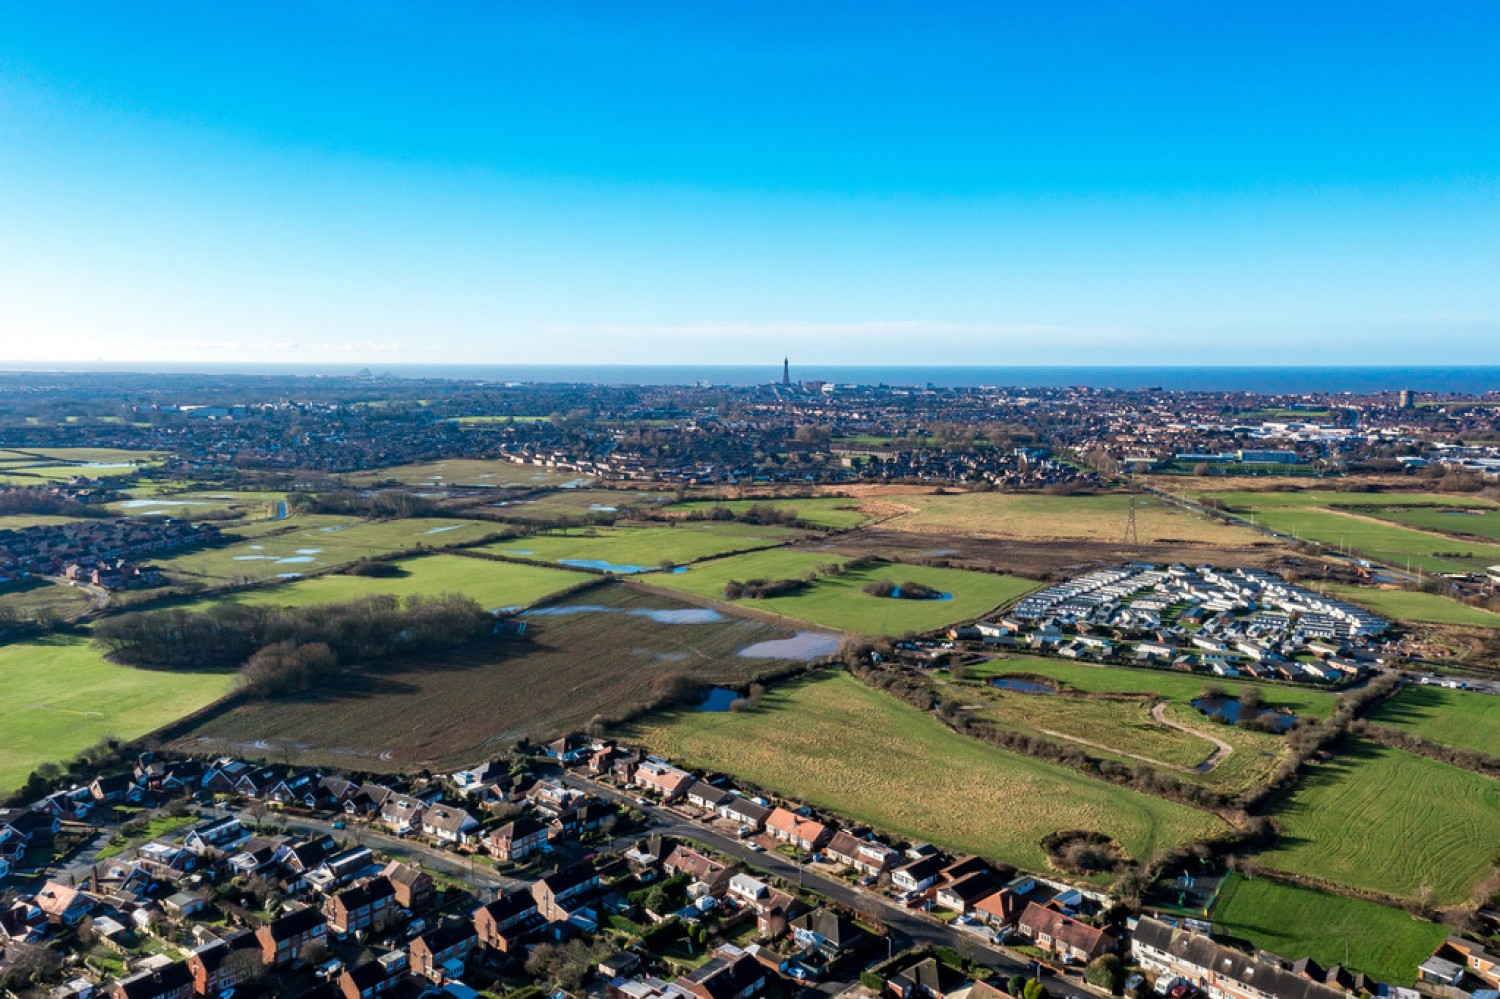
x=1450, y=717
x=860, y=753
x=1296, y=922
x=62, y=696
x=635, y=549
x=1391, y=822
x=1412, y=605
x=839, y=601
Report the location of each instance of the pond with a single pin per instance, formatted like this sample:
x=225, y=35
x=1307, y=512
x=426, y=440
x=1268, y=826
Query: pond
x=1022, y=684
x=623, y=569
x=718, y=699
x=802, y=646
x=1228, y=708
x=936, y=595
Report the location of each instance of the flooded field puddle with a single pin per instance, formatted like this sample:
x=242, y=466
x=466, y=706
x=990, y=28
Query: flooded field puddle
x=803, y=645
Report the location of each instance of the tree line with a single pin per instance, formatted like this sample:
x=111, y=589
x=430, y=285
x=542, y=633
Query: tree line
x=286, y=649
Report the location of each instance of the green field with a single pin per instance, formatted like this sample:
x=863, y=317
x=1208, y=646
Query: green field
x=61, y=697
x=1413, y=605
x=646, y=547
x=1127, y=728
x=833, y=512
x=306, y=542
x=21, y=521
x=1095, y=518
x=1483, y=522
x=457, y=708
x=1391, y=822
x=464, y=472
x=576, y=506
x=1296, y=922
x=192, y=505
x=838, y=601
x=1448, y=717
x=38, y=598
x=493, y=584
x=1327, y=518
x=840, y=745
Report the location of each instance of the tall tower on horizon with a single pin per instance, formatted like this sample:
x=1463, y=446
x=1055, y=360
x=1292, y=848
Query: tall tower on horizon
x=786, y=371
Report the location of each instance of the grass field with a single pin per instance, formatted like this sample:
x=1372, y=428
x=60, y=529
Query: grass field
x=1127, y=727
x=312, y=541
x=464, y=472
x=61, y=697
x=1483, y=522
x=1296, y=922
x=21, y=521
x=190, y=505
x=1411, y=605
x=645, y=547
x=1449, y=717
x=1175, y=686
x=840, y=745
x=456, y=709
x=493, y=584
x=838, y=601
x=1391, y=822
x=39, y=598
x=577, y=506
x=825, y=511
x=1096, y=518
x=1326, y=518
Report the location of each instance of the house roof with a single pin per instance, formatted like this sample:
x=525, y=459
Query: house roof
x=290, y=924
x=933, y=976
x=1199, y=951
x=1064, y=928
x=1005, y=905
x=830, y=925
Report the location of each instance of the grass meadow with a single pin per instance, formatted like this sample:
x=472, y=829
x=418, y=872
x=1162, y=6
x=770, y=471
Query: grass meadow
x=644, y=546
x=834, y=512
x=839, y=601
x=1036, y=517
x=1297, y=922
x=1449, y=717
x=1413, y=605
x=1391, y=822
x=840, y=745
x=62, y=696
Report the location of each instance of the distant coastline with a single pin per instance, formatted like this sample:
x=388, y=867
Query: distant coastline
x=1261, y=380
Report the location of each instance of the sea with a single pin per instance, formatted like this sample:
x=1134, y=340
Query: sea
x=1260, y=380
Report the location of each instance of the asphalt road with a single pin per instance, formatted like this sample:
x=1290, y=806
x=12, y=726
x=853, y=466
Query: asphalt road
x=909, y=927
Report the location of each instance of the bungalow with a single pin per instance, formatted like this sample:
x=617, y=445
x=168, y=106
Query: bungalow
x=491, y=772
x=744, y=811
x=730, y=974
x=966, y=892
x=927, y=979
x=401, y=813
x=917, y=875
x=517, y=839
x=440, y=954
x=670, y=782
x=448, y=824
x=112, y=788
x=1000, y=909
x=1062, y=935
x=496, y=923
x=864, y=855
x=62, y=904
x=773, y=908
x=283, y=939
x=569, y=749
x=360, y=908
x=789, y=827
x=712, y=875
x=169, y=981
x=223, y=834
x=707, y=797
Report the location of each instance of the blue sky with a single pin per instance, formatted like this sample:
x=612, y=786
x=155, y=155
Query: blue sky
x=1234, y=183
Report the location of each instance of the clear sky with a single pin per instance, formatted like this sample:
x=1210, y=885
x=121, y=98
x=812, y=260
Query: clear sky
x=991, y=183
